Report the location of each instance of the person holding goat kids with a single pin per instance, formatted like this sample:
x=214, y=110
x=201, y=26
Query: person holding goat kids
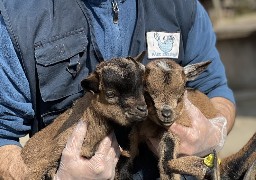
x=48, y=46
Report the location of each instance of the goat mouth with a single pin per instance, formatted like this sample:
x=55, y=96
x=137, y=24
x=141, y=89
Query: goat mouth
x=135, y=116
x=166, y=124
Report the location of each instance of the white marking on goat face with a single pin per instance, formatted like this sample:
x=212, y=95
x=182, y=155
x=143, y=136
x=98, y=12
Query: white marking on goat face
x=163, y=65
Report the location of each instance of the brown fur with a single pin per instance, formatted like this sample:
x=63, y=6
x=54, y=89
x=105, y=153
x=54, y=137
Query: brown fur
x=117, y=98
x=165, y=82
x=236, y=165
x=251, y=172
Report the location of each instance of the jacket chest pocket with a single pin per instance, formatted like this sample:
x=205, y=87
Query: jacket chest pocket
x=61, y=64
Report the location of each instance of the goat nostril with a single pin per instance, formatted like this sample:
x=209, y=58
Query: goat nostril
x=142, y=108
x=166, y=113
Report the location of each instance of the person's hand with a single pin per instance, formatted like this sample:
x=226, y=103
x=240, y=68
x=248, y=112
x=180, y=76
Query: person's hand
x=204, y=136
x=201, y=138
x=100, y=166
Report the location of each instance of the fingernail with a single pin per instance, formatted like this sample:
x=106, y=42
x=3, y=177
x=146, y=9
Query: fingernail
x=81, y=125
x=107, y=140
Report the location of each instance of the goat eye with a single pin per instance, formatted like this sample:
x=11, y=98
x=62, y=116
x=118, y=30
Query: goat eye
x=110, y=94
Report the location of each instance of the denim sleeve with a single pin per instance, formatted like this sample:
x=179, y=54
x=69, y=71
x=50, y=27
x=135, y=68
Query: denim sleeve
x=201, y=46
x=16, y=111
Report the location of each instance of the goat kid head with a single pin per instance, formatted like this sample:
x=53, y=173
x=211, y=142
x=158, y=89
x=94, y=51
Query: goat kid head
x=165, y=85
x=118, y=87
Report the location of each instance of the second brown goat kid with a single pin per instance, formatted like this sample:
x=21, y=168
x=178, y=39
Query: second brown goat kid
x=165, y=91
x=165, y=86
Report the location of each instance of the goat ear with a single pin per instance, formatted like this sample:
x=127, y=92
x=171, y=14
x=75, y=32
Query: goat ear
x=91, y=83
x=192, y=71
x=140, y=57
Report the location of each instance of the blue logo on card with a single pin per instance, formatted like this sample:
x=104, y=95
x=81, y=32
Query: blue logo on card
x=165, y=42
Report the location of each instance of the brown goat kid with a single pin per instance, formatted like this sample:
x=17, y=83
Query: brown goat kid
x=117, y=97
x=165, y=88
x=165, y=84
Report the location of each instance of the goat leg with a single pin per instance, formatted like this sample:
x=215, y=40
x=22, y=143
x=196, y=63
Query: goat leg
x=189, y=165
x=168, y=151
x=125, y=164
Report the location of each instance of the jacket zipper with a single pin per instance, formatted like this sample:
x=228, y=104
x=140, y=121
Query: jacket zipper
x=115, y=11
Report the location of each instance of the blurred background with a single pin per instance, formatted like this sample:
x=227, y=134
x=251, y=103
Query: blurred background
x=234, y=22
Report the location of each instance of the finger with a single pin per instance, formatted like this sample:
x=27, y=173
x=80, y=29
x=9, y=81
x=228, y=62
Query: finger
x=179, y=130
x=113, y=155
x=184, y=135
x=114, y=165
x=110, y=155
x=114, y=151
x=105, y=145
x=75, y=141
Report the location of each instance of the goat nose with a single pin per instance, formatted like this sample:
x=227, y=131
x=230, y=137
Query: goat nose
x=166, y=112
x=142, y=108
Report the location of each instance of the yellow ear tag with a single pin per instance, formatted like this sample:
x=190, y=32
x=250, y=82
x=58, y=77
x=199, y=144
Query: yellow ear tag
x=209, y=160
